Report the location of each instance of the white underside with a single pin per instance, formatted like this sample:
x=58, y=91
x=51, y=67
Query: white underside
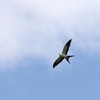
x=63, y=55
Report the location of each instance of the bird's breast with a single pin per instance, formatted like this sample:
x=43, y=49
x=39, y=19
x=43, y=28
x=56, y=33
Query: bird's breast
x=63, y=55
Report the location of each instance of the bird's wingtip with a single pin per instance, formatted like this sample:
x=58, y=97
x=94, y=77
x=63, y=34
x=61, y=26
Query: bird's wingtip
x=53, y=65
x=70, y=39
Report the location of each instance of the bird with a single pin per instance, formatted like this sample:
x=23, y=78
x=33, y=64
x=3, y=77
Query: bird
x=63, y=54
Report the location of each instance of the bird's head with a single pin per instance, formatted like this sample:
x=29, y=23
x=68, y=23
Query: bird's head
x=59, y=54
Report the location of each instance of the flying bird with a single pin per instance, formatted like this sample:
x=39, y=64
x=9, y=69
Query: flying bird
x=63, y=54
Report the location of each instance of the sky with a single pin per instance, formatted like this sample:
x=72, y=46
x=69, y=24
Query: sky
x=33, y=33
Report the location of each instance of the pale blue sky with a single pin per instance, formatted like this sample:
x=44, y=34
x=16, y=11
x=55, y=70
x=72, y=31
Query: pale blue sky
x=33, y=33
x=78, y=81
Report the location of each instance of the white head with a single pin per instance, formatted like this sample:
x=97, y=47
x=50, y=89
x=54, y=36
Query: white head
x=59, y=54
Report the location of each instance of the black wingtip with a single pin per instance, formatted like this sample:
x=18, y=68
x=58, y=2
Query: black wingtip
x=68, y=43
x=53, y=65
x=70, y=40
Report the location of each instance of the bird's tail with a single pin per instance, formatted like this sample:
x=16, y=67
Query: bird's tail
x=69, y=57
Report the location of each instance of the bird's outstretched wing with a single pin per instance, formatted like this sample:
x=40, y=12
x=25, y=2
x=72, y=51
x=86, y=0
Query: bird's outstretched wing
x=66, y=47
x=57, y=61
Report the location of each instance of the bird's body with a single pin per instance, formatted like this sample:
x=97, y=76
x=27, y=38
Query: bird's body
x=63, y=54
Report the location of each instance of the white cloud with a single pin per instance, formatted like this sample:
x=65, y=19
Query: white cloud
x=38, y=27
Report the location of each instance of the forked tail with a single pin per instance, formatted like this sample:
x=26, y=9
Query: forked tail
x=69, y=57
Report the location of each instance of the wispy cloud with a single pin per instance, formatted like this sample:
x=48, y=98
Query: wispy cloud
x=38, y=27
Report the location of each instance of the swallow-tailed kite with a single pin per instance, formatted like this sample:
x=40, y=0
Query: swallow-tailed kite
x=63, y=54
